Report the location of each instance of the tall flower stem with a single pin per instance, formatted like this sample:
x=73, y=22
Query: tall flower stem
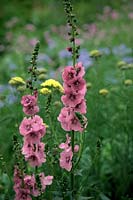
x=74, y=49
x=72, y=172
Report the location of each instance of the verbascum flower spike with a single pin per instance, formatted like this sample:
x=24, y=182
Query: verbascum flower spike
x=33, y=129
x=73, y=98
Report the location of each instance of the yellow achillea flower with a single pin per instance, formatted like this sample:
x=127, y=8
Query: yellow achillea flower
x=45, y=91
x=16, y=81
x=103, y=92
x=128, y=82
x=53, y=83
x=121, y=64
x=95, y=54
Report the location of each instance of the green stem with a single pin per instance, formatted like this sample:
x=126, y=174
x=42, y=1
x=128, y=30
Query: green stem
x=72, y=172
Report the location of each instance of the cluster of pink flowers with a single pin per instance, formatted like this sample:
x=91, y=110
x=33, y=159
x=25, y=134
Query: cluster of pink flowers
x=29, y=103
x=33, y=130
x=66, y=155
x=25, y=185
x=73, y=99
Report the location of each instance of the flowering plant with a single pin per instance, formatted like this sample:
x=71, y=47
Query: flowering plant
x=36, y=153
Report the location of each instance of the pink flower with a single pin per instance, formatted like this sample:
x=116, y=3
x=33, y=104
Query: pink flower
x=71, y=99
x=130, y=15
x=76, y=148
x=30, y=182
x=64, y=117
x=17, y=179
x=37, y=124
x=81, y=107
x=114, y=14
x=40, y=150
x=69, y=121
x=79, y=69
x=78, y=85
x=28, y=100
x=66, y=159
x=32, y=127
x=75, y=124
x=31, y=110
x=23, y=194
x=33, y=137
x=27, y=148
x=66, y=144
x=34, y=153
x=30, y=27
x=68, y=74
x=26, y=126
x=34, y=159
x=45, y=180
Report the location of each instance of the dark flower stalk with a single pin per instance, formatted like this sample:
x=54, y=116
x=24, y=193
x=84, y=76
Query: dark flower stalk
x=32, y=70
x=73, y=33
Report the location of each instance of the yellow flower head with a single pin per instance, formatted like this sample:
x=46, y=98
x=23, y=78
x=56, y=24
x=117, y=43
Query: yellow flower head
x=121, y=64
x=45, y=91
x=16, y=81
x=130, y=66
x=53, y=83
x=95, y=54
x=128, y=82
x=103, y=92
